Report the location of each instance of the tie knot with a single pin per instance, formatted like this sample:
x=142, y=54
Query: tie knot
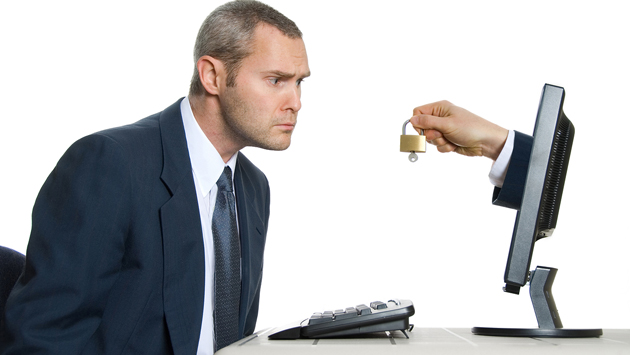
x=225, y=180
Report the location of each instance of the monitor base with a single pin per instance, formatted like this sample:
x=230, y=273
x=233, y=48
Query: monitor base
x=538, y=332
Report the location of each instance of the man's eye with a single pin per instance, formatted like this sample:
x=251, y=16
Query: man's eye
x=299, y=82
x=274, y=81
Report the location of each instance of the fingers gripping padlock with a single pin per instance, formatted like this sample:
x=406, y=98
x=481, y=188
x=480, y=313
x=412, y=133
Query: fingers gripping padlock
x=412, y=143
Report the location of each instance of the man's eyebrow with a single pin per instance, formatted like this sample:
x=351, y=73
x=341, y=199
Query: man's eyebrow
x=282, y=74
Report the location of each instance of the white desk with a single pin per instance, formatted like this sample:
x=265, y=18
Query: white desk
x=442, y=341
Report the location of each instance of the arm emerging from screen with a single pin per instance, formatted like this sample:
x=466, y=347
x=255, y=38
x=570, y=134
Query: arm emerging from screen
x=452, y=128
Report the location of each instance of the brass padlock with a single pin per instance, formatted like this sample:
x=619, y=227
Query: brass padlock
x=412, y=143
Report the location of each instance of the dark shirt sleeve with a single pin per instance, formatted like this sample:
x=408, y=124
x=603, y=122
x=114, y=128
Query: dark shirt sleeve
x=511, y=194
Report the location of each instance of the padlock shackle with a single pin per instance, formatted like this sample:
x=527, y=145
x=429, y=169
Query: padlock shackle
x=404, y=130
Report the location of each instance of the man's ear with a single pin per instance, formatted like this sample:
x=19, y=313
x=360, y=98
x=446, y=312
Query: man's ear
x=211, y=73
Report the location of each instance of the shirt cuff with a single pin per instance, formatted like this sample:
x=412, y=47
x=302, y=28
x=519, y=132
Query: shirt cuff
x=500, y=166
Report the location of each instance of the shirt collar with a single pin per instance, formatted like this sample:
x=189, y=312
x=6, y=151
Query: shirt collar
x=205, y=160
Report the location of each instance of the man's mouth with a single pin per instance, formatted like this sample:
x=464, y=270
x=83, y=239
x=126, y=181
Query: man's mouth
x=287, y=126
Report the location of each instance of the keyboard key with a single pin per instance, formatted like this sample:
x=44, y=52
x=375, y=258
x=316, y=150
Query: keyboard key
x=349, y=312
x=317, y=318
x=363, y=309
x=378, y=305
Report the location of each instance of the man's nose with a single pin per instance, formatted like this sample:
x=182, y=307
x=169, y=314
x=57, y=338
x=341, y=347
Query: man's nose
x=293, y=99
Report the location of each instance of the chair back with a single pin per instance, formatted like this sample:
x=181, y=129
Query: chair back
x=11, y=266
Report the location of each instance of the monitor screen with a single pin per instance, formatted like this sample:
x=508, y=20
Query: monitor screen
x=542, y=193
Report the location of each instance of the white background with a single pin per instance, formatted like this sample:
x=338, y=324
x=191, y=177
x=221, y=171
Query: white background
x=352, y=219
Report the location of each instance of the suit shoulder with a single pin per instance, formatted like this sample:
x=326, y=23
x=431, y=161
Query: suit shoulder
x=134, y=133
x=148, y=130
x=137, y=145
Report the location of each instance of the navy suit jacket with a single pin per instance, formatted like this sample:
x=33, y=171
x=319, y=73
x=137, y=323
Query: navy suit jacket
x=511, y=193
x=115, y=261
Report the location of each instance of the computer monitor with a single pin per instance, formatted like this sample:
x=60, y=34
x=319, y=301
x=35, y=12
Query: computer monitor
x=537, y=217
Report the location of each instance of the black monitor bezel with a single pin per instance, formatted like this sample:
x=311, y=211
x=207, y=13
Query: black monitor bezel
x=544, y=184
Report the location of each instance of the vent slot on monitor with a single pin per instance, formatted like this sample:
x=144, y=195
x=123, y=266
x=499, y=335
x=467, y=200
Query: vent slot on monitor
x=554, y=182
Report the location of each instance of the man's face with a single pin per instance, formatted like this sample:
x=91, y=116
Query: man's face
x=261, y=109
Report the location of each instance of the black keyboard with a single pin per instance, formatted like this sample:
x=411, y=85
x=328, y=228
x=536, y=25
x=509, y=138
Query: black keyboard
x=377, y=317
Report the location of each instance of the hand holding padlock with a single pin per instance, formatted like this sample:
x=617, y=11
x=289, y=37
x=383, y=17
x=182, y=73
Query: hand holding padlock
x=412, y=143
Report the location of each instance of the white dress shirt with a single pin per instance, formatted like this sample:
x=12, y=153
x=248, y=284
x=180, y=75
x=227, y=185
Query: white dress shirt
x=499, y=167
x=207, y=167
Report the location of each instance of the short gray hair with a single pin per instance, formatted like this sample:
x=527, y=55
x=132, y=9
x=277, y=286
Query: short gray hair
x=228, y=32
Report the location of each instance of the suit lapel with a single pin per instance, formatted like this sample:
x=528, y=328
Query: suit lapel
x=182, y=238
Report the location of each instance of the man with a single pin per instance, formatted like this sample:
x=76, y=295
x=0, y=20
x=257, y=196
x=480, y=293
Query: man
x=136, y=224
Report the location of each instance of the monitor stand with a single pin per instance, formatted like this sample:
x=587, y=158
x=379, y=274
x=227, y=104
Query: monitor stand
x=549, y=324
